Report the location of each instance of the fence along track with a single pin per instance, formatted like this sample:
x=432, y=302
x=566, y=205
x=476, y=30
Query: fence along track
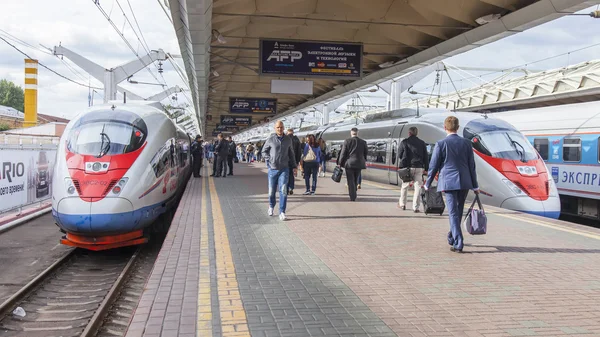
x=72, y=300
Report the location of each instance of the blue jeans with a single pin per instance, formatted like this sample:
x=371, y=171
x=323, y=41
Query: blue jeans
x=455, y=201
x=311, y=169
x=278, y=177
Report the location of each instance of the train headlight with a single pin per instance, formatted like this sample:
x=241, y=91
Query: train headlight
x=70, y=186
x=119, y=186
x=516, y=190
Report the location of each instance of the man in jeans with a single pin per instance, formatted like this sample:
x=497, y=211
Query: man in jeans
x=279, y=156
x=413, y=154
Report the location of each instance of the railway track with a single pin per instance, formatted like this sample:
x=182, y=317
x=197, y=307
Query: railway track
x=70, y=298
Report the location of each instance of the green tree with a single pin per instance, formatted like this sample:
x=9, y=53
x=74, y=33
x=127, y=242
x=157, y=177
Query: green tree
x=12, y=95
x=4, y=127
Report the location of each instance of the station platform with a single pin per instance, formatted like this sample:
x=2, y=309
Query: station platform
x=364, y=268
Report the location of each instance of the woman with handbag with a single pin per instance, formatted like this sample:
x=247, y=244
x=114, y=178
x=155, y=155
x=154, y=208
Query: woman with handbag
x=311, y=161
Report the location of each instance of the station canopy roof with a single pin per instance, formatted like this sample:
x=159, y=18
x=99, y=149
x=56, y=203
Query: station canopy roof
x=222, y=37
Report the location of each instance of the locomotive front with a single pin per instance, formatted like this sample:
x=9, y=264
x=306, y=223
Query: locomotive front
x=516, y=178
x=90, y=200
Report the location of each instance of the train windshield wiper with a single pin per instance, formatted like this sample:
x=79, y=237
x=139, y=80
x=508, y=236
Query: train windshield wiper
x=104, y=149
x=515, y=144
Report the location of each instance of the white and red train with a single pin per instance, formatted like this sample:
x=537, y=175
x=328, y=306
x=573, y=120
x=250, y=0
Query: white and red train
x=511, y=173
x=119, y=167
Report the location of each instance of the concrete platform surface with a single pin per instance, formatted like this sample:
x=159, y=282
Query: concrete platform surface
x=364, y=268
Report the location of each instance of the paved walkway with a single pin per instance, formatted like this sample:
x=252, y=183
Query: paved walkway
x=361, y=269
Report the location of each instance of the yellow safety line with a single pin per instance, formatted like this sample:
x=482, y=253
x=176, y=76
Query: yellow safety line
x=204, y=327
x=531, y=221
x=554, y=226
x=233, y=315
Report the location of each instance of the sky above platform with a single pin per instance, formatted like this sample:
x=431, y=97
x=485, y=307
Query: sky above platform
x=81, y=27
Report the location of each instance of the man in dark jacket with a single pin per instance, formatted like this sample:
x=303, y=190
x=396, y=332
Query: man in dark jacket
x=354, y=159
x=221, y=151
x=413, y=155
x=197, y=156
x=231, y=154
x=297, y=155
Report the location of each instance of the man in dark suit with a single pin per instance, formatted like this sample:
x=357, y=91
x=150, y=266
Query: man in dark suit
x=221, y=151
x=453, y=159
x=298, y=156
x=197, y=156
x=231, y=154
x=354, y=159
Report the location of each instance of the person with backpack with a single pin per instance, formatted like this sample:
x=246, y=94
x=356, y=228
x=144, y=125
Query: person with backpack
x=249, y=153
x=413, y=156
x=312, y=159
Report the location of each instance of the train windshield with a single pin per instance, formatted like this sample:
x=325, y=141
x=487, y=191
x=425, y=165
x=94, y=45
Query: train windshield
x=100, y=138
x=499, y=139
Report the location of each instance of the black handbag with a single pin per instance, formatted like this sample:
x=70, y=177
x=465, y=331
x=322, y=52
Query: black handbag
x=337, y=174
x=406, y=175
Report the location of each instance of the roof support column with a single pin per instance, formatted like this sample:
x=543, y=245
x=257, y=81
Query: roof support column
x=395, y=94
x=325, y=114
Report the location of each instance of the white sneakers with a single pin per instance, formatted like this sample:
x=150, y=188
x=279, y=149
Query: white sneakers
x=282, y=216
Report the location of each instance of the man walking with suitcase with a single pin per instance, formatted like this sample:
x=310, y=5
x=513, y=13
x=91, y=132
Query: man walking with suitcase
x=354, y=159
x=413, y=155
x=453, y=159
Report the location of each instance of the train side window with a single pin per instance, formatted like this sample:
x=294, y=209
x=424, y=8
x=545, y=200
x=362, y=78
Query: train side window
x=377, y=151
x=542, y=147
x=572, y=149
x=394, y=146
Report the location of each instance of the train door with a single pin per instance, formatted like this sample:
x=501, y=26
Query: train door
x=394, y=161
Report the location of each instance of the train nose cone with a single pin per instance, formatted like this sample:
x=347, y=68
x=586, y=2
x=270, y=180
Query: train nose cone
x=108, y=215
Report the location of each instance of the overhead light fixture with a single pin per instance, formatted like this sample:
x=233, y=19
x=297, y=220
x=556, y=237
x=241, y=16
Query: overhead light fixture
x=214, y=72
x=220, y=38
x=487, y=18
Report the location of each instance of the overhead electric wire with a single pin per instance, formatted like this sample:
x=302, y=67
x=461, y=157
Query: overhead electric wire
x=43, y=65
x=112, y=23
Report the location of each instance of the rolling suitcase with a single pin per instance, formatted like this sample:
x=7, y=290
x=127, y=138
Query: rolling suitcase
x=433, y=202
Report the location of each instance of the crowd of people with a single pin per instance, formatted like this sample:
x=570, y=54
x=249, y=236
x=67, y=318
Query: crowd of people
x=452, y=165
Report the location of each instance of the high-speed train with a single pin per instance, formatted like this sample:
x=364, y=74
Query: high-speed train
x=567, y=138
x=119, y=167
x=510, y=172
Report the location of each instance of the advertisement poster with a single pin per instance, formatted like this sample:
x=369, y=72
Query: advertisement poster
x=220, y=127
x=248, y=105
x=310, y=58
x=236, y=120
x=25, y=177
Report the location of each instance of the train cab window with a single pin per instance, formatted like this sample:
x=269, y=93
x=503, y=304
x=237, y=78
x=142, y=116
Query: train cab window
x=376, y=151
x=100, y=138
x=542, y=147
x=572, y=149
x=498, y=139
